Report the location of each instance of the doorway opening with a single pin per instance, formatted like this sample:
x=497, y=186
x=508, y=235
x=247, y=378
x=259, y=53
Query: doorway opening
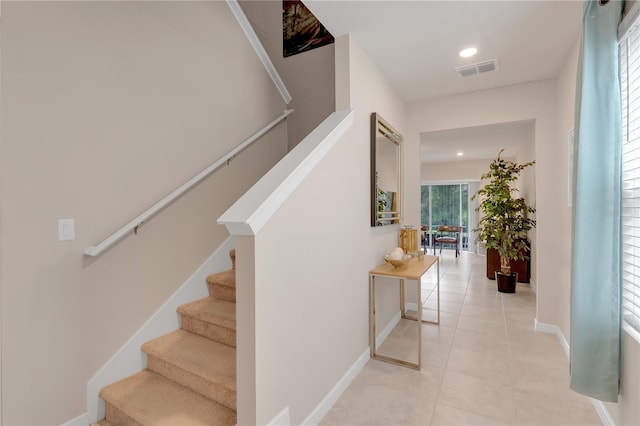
x=449, y=204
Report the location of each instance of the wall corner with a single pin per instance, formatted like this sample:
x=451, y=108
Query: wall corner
x=343, y=72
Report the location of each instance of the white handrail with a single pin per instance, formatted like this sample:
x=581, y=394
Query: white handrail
x=259, y=48
x=140, y=219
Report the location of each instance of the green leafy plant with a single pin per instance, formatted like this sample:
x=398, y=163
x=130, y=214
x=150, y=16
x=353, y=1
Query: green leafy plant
x=384, y=201
x=505, y=219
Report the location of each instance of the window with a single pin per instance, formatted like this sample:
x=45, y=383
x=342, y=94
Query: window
x=630, y=87
x=446, y=205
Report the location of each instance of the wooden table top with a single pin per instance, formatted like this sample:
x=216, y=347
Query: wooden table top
x=414, y=270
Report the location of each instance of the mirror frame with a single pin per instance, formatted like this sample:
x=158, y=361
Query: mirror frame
x=380, y=126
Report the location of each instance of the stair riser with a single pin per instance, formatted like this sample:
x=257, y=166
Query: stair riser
x=222, y=292
x=214, y=391
x=214, y=332
x=117, y=417
x=182, y=387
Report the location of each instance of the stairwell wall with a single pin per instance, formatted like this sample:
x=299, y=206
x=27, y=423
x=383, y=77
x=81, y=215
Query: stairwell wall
x=106, y=108
x=311, y=266
x=309, y=76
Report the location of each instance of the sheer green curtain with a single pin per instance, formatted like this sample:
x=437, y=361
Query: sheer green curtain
x=424, y=205
x=445, y=205
x=596, y=267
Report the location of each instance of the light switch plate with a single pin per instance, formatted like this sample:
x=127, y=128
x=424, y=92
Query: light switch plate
x=66, y=229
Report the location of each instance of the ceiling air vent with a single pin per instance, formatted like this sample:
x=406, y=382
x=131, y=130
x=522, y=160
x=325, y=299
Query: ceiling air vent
x=477, y=68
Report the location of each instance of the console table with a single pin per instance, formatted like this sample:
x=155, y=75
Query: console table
x=414, y=270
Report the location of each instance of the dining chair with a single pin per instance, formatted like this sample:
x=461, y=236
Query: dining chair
x=447, y=235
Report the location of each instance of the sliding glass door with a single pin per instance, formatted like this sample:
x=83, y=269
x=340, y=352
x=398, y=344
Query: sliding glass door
x=446, y=205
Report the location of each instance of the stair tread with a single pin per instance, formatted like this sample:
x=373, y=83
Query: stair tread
x=149, y=398
x=224, y=278
x=102, y=422
x=212, y=310
x=213, y=361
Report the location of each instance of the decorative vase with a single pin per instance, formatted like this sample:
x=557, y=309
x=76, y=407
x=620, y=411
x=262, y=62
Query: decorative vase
x=506, y=283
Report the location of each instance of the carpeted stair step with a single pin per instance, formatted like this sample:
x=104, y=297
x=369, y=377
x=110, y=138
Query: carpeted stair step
x=147, y=398
x=212, y=318
x=223, y=285
x=202, y=365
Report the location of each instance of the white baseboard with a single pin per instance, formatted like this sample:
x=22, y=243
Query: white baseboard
x=553, y=329
x=602, y=411
x=130, y=359
x=411, y=307
x=327, y=402
x=282, y=419
x=380, y=338
x=81, y=420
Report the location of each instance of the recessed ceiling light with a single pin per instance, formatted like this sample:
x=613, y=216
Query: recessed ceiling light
x=470, y=51
x=459, y=153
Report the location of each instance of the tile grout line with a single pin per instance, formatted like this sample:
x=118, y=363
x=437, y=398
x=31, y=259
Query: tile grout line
x=444, y=370
x=511, y=383
x=449, y=354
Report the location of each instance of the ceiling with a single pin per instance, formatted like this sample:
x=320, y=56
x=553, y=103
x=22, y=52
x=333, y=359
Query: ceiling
x=416, y=43
x=480, y=142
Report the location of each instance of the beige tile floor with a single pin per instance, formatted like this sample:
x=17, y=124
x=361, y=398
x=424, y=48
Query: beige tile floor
x=484, y=365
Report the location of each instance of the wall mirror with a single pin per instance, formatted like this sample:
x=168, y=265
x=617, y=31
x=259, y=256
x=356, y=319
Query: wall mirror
x=386, y=173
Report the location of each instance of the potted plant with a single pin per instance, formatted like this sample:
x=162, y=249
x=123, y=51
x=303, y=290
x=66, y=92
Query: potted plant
x=504, y=219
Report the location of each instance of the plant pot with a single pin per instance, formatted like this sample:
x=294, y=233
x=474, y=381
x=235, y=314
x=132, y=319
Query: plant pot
x=506, y=283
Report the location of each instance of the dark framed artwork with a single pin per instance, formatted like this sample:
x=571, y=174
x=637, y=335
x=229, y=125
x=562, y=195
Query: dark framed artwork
x=301, y=30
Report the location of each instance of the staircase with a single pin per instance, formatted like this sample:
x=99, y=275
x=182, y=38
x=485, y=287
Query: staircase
x=190, y=377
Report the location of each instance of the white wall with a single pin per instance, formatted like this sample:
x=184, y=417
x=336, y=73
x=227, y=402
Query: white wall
x=309, y=76
x=107, y=107
x=309, y=285
x=558, y=312
x=627, y=411
x=370, y=92
x=526, y=186
x=527, y=183
x=454, y=171
x=1, y=274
